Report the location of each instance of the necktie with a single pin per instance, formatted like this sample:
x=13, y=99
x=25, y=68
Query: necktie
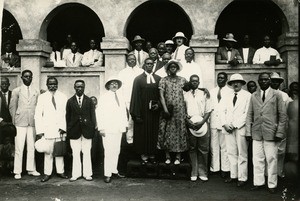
x=264, y=96
x=53, y=101
x=176, y=51
x=74, y=58
x=234, y=99
x=79, y=102
x=193, y=92
x=55, y=56
x=219, y=95
x=139, y=57
x=117, y=100
x=8, y=56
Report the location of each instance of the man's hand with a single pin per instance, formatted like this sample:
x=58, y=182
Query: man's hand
x=234, y=62
x=190, y=124
x=228, y=128
x=166, y=115
x=277, y=139
x=61, y=131
x=248, y=138
x=198, y=125
x=154, y=107
x=102, y=133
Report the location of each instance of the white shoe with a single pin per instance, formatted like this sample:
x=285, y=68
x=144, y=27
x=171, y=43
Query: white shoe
x=34, y=173
x=177, y=162
x=193, y=178
x=18, y=176
x=88, y=178
x=203, y=178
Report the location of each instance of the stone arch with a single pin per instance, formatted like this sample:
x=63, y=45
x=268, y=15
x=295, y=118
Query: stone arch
x=10, y=29
x=165, y=18
x=72, y=18
x=255, y=18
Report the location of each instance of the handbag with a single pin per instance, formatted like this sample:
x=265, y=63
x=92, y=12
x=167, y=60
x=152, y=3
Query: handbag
x=60, y=147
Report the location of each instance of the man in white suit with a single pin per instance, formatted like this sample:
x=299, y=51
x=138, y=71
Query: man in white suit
x=233, y=120
x=22, y=109
x=50, y=123
x=217, y=143
x=93, y=57
x=74, y=58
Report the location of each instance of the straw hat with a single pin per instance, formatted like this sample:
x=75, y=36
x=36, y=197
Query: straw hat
x=236, y=77
x=113, y=78
x=173, y=61
x=42, y=146
x=179, y=35
x=169, y=42
x=202, y=131
x=137, y=38
x=229, y=37
x=276, y=76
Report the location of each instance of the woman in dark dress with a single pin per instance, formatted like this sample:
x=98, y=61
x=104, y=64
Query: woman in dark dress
x=144, y=112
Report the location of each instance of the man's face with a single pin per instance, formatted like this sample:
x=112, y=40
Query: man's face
x=73, y=47
x=264, y=81
x=153, y=54
x=166, y=58
x=275, y=83
x=161, y=49
x=92, y=44
x=95, y=101
x=194, y=82
x=267, y=41
x=4, y=85
x=131, y=60
x=148, y=45
x=237, y=86
x=169, y=48
x=54, y=46
x=251, y=87
x=52, y=85
x=69, y=38
x=229, y=44
x=27, y=78
x=8, y=48
x=79, y=88
x=138, y=45
x=148, y=65
x=179, y=41
x=189, y=55
x=246, y=40
x=221, y=80
x=113, y=86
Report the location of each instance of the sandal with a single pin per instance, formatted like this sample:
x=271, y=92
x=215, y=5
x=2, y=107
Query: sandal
x=168, y=161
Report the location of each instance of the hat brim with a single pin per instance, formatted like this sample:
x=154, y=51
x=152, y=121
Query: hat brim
x=278, y=78
x=109, y=81
x=232, y=40
x=231, y=81
x=202, y=131
x=179, y=37
x=173, y=62
x=136, y=40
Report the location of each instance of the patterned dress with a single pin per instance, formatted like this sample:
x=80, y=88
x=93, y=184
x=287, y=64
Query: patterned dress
x=172, y=134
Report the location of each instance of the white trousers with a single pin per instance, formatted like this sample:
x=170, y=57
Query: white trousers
x=112, y=146
x=24, y=134
x=81, y=145
x=265, y=156
x=281, y=157
x=48, y=159
x=237, y=151
x=218, y=150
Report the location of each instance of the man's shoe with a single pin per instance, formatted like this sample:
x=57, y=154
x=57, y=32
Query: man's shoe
x=88, y=178
x=272, y=190
x=257, y=188
x=63, y=176
x=73, y=179
x=177, y=162
x=224, y=174
x=241, y=183
x=203, y=178
x=120, y=175
x=193, y=178
x=45, y=178
x=107, y=179
x=229, y=180
x=18, y=176
x=34, y=173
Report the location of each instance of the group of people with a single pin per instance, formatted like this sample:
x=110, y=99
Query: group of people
x=158, y=102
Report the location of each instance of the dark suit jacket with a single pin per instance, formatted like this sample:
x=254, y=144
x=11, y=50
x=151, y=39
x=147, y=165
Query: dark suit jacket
x=4, y=111
x=250, y=54
x=14, y=60
x=80, y=121
x=221, y=56
x=159, y=65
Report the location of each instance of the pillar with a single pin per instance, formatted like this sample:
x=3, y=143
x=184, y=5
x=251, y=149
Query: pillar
x=288, y=49
x=205, y=47
x=34, y=53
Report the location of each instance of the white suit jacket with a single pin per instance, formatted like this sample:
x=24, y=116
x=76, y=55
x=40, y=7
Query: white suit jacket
x=180, y=56
x=76, y=63
x=49, y=120
x=111, y=118
x=217, y=107
x=236, y=115
x=90, y=56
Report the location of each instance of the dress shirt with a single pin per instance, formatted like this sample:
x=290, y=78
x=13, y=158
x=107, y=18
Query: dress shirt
x=81, y=99
x=266, y=93
x=197, y=103
x=180, y=52
x=263, y=54
x=127, y=76
x=228, y=54
x=5, y=94
x=90, y=56
x=76, y=63
x=189, y=69
x=245, y=54
x=65, y=53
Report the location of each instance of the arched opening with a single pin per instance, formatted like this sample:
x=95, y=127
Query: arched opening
x=75, y=19
x=11, y=30
x=158, y=21
x=255, y=18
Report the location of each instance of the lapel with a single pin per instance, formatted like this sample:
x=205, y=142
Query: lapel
x=75, y=103
x=257, y=95
x=269, y=95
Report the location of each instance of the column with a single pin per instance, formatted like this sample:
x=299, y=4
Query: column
x=34, y=53
x=205, y=47
x=288, y=49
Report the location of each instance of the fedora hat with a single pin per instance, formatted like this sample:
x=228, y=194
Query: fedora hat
x=169, y=42
x=173, y=61
x=276, y=76
x=137, y=38
x=42, y=146
x=229, y=37
x=113, y=78
x=179, y=35
x=202, y=131
x=236, y=77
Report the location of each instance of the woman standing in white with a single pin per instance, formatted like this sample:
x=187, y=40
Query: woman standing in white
x=112, y=122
